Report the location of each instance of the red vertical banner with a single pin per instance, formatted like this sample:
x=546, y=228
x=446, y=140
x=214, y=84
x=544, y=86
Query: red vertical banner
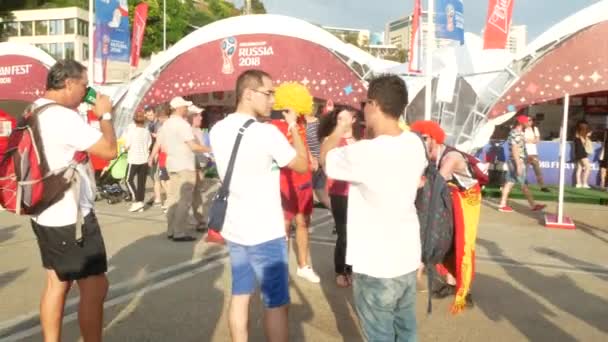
x=139, y=28
x=498, y=24
x=416, y=50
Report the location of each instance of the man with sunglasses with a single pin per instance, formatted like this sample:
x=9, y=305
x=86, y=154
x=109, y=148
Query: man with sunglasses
x=66, y=258
x=254, y=227
x=383, y=232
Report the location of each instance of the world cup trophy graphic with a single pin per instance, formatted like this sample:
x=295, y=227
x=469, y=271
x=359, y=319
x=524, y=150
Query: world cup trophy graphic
x=228, y=49
x=450, y=13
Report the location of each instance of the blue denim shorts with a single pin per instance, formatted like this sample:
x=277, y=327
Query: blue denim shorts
x=512, y=176
x=265, y=264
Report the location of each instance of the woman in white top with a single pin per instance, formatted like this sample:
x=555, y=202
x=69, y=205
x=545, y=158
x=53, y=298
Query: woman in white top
x=137, y=143
x=532, y=136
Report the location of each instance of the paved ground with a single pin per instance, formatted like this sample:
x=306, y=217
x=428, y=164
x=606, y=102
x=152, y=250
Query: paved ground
x=532, y=284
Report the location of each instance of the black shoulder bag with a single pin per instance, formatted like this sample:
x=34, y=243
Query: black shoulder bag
x=219, y=204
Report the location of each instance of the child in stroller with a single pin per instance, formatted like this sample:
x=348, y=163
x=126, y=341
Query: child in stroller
x=109, y=181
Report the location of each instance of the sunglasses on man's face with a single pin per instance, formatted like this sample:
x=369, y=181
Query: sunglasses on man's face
x=267, y=93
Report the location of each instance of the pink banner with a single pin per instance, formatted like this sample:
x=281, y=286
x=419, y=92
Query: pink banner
x=498, y=24
x=139, y=28
x=415, y=56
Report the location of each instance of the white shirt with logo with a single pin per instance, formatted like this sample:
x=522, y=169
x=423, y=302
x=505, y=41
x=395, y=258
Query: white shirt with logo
x=63, y=132
x=383, y=232
x=254, y=214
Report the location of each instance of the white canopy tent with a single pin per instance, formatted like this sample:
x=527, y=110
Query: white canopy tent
x=359, y=61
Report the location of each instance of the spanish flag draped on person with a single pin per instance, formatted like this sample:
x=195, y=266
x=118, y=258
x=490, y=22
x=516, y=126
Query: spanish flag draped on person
x=458, y=267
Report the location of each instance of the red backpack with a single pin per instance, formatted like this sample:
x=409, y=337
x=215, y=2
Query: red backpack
x=27, y=186
x=478, y=170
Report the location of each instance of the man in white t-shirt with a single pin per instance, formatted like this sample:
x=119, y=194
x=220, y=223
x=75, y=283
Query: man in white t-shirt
x=383, y=232
x=177, y=140
x=66, y=258
x=254, y=227
x=532, y=138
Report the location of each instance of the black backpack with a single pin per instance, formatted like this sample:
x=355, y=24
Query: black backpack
x=436, y=216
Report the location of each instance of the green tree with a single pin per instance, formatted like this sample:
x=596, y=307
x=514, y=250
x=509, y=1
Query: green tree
x=257, y=7
x=351, y=38
x=183, y=16
x=398, y=56
x=63, y=3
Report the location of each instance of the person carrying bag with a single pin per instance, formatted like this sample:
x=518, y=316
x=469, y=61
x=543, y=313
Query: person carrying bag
x=219, y=204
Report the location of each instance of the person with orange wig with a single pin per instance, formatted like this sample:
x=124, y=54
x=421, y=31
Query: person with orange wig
x=458, y=267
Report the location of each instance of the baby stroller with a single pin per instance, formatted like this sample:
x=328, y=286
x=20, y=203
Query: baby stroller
x=109, y=186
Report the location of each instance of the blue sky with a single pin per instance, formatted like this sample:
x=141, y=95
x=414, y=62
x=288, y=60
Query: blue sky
x=538, y=15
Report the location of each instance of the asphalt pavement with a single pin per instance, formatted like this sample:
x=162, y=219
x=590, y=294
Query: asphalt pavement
x=532, y=283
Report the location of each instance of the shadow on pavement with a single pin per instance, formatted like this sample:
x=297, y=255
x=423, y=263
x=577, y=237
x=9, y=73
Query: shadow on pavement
x=161, y=314
x=341, y=301
x=8, y=277
x=578, y=302
x=7, y=233
x=299, y=314
x=580, y=226
x=571, y=261
x=591, y=230
x=524, y=312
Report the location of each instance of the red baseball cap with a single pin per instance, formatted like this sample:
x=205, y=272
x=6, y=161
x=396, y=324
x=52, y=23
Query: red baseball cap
x=523, y=119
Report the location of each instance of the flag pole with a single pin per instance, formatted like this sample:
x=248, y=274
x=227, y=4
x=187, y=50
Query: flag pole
x=430, y=44
x=559, y=220
x=562, y=161
x=164, y=25
x=91, y=51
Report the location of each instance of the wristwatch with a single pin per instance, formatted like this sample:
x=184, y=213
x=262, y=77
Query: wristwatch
x=106, y=116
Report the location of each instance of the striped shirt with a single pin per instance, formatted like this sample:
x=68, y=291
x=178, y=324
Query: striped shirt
x=138, y=141
x=312, y=138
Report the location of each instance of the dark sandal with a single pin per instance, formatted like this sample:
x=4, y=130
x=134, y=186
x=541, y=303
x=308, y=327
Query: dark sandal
x=444, y=291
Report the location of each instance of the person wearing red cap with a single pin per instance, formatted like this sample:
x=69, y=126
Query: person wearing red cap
x=516, y=173
x=458, y=267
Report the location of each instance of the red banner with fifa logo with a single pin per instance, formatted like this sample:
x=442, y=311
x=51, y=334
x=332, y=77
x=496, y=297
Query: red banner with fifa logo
x=498, y=24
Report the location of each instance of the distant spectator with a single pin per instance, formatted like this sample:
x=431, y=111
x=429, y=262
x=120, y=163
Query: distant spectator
x=137, y=143
x=516, y=173
x=532, y=136
x=176, y=138
x=583, y=147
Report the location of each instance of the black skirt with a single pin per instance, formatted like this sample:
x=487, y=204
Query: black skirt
x=579, y=150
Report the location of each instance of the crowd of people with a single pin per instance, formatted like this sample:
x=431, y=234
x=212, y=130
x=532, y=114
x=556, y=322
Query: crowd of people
x=360, y=164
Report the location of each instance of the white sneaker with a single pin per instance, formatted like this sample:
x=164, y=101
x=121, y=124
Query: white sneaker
x=309, y=274
x=578, y=186
x=586, y=186
x=137, y=206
